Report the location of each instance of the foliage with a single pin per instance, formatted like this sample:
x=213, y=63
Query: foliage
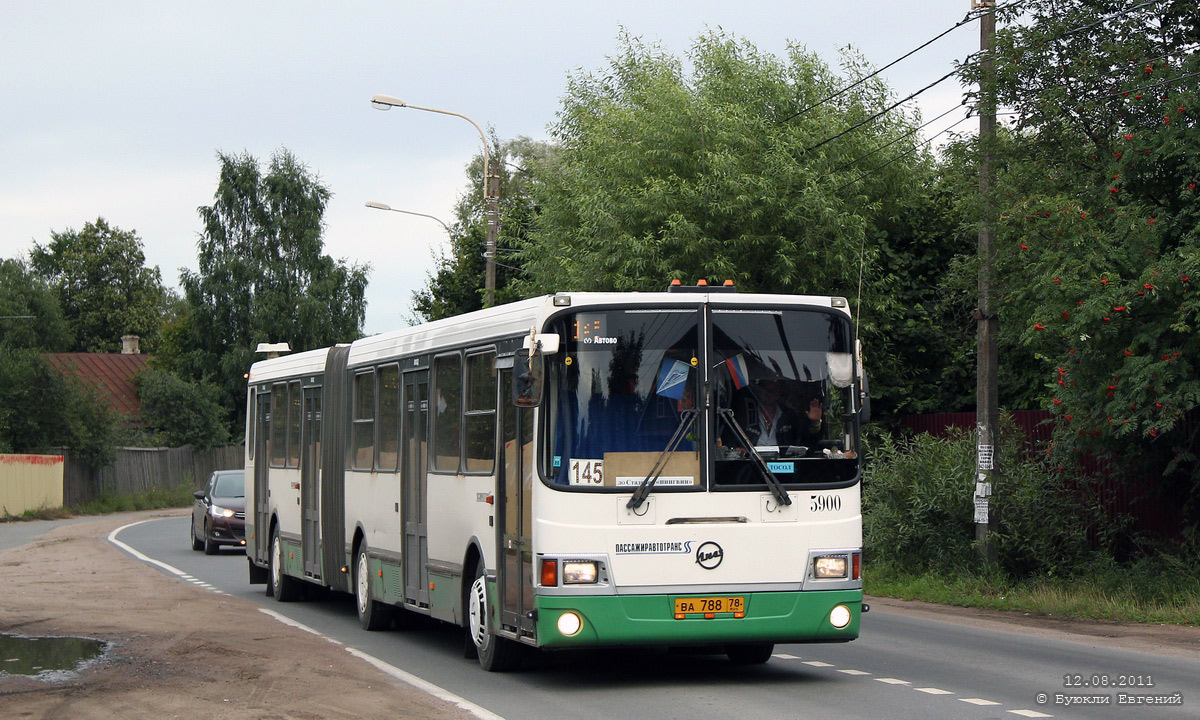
x=457, y=285
x=1098, y=228
x=262, y=277
x=179, y=412
x=103, y=286
x=917, y=510
x=723, y=172
x=41, y=409
x=29, y=313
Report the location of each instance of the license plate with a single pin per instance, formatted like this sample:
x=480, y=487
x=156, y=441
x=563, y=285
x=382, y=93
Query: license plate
x=727, y=603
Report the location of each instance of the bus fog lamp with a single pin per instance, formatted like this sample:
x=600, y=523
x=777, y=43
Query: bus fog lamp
x=833, y=566
x=569, y=623
x=579, y=573
x=839, y=617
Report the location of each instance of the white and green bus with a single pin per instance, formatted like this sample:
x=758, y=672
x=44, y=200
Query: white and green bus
x=574, y=471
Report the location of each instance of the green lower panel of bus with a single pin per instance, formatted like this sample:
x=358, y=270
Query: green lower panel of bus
x=651, y=619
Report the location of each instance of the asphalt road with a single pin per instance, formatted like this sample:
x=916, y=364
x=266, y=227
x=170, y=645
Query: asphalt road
x=901, y=667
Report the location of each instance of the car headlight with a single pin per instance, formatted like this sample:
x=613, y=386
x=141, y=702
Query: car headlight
x=829, y=566
x=579, y=573
x=218, y=511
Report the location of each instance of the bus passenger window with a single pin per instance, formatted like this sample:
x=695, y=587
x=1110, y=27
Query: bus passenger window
x=447, y=409
x=364, y=421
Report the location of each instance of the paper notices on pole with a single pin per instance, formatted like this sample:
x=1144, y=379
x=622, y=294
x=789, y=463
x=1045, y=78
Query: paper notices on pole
x=981, y=510
x=985, y=457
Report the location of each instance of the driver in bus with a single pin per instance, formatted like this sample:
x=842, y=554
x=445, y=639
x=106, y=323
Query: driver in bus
x=770, y=420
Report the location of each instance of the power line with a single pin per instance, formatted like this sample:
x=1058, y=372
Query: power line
x=966, y=19
x=902, y=155
x=879, y=114
x=893, y=142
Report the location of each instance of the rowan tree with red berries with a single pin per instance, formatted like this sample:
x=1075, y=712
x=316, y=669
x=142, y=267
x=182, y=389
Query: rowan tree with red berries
x=1097, y=219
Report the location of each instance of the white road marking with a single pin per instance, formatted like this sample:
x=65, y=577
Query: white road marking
x=978, y=701
x=785, y=656
x=1029, y=713
x=817, y=663
x=934, y=691
x=854, y=672
x=893, y=681
x=428, y=687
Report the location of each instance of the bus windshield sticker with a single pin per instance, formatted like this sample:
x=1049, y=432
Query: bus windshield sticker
x=663, y=481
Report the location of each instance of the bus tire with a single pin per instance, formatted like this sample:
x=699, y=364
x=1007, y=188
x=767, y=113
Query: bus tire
x=496, y=654
x=372, y=614
x=282, y=586
x=755, y=654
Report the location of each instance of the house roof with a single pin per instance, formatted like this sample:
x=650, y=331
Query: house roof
x=109, y=374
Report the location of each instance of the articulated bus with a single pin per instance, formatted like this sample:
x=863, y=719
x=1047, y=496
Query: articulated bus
x=574, y=471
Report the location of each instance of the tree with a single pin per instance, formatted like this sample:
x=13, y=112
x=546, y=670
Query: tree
x=103, y=286
x=457, y=284
x=179, y=412
x=1098, y=227
x=262, y=276
x=41, y=410
x=29, y=313
x=745, y=169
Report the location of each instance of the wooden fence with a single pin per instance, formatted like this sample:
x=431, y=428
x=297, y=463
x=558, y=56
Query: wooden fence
x=141, y=469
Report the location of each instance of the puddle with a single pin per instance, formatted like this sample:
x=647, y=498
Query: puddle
x=47, y=657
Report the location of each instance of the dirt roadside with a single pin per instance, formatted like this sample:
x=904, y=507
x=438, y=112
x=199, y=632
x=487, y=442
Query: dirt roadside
x=170, y=661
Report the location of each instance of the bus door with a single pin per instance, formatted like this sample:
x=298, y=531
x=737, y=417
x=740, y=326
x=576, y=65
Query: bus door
x=262, y=468
x=310, y=481
x=415, y=403
x=515, y=575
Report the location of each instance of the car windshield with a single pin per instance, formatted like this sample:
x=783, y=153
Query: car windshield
x=230, y=486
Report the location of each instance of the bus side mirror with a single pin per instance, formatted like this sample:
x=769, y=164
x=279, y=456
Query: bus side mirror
x=529, y=369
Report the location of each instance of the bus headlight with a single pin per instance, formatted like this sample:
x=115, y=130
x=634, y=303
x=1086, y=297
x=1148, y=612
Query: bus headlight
x=839, y=617
x=829, y=566
x=579, y=573
x=569, y=623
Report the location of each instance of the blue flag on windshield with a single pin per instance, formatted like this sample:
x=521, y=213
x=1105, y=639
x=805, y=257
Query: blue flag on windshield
x=672, y=378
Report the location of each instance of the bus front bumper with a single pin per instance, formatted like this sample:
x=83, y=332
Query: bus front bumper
x=776, y=617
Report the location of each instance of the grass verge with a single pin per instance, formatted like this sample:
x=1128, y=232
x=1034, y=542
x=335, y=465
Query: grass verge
x=1158, y=590
x=153, y=499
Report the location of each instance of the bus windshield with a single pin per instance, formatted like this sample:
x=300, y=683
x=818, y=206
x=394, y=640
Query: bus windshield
x=623, y=399
x=620, y=393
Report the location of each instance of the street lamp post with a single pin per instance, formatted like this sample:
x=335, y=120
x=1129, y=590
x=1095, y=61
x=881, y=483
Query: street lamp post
x=491, y=190
x=385, y=206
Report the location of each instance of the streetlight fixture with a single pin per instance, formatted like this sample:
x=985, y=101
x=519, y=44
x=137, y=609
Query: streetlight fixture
x=384, y=206
x=491, y=189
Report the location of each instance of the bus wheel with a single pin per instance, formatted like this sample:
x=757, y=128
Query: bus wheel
x=372, y=614
x=756, y=654
x=496, y=654
x=282, y=586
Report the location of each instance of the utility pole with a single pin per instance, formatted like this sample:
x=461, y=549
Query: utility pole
x=492, y=199
x=987, y=395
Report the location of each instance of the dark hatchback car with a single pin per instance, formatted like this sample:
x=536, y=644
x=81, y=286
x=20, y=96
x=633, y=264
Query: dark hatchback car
x=219, y=513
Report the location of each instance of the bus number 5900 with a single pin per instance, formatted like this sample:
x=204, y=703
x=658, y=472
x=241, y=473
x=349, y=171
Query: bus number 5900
x=825, y=503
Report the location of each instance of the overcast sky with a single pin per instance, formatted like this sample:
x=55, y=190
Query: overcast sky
x=118, y=108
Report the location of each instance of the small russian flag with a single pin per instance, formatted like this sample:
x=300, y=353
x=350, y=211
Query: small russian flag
x=737, y=371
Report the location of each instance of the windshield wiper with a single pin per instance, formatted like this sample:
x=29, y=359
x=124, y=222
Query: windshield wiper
x=777, y=490
x=639, y=496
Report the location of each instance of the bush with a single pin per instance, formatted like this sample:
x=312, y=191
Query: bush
x=918, y=511
x=179, y=412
